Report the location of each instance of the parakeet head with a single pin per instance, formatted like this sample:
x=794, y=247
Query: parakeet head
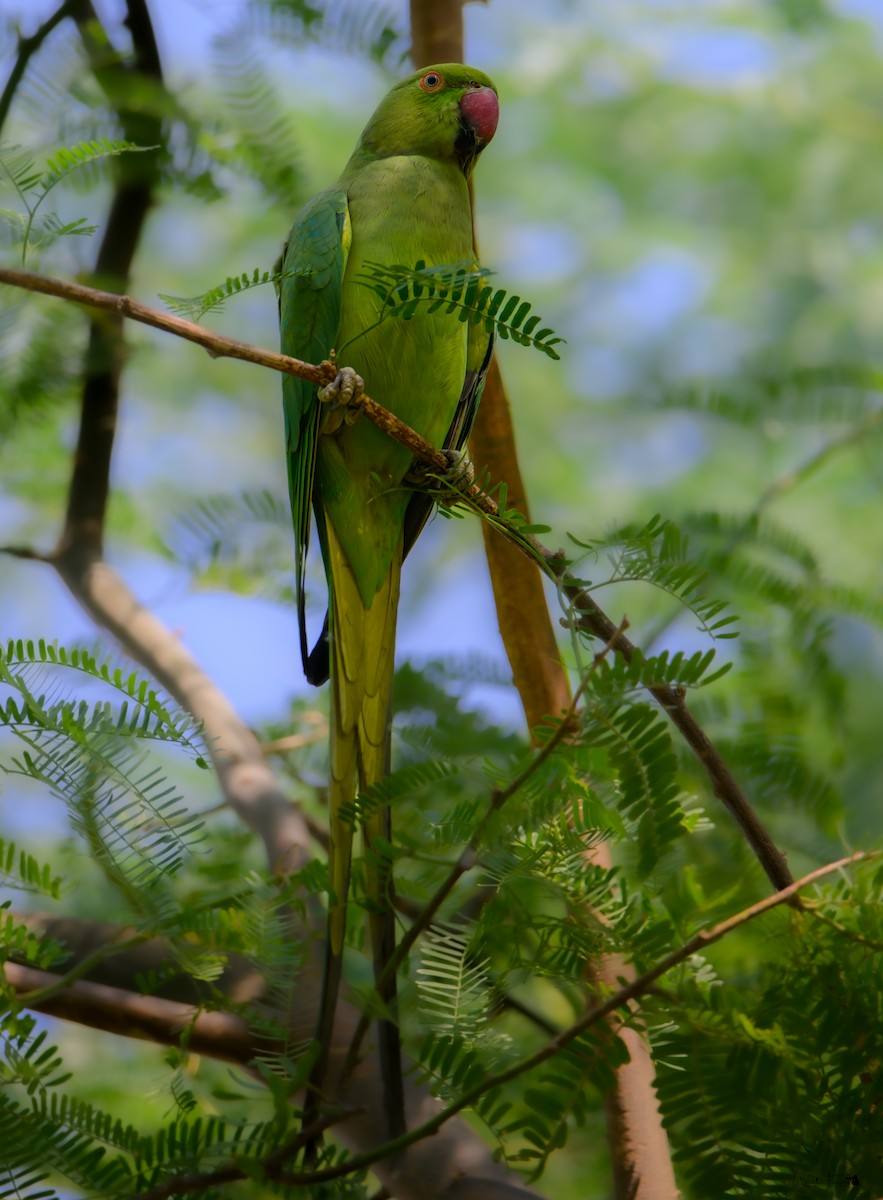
x=444, y=112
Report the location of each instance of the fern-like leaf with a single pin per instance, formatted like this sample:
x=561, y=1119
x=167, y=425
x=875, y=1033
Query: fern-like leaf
x=21, y=871
x=89, y=756
x=33, y=186
x=194, y=308
x=458, y=289
x=452, y=983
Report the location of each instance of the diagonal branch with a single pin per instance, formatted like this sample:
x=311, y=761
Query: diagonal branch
x=591, y=617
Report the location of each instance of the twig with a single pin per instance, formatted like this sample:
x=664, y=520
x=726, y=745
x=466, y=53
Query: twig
x=219, y=346
x=28, y=47
x=592, y=619
x=60, y=983
x=595, y=621
x=297, y=741
x=183, y=1184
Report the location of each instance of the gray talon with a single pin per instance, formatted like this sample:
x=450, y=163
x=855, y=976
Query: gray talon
x=460, y=473
x=344, y=392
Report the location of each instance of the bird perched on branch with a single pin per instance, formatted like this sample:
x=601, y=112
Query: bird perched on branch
x=401, y=199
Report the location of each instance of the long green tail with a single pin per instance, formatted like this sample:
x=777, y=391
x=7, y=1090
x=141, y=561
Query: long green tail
x=362, y=660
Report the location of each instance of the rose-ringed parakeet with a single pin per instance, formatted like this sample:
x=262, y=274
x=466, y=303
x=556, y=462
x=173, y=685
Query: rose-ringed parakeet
x=402, y=198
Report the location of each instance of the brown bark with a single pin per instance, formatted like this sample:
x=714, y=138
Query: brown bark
x=522, y=611
x=436, y=31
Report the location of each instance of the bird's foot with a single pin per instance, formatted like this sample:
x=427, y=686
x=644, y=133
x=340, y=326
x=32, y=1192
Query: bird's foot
x=459, y=475
x=344, y=396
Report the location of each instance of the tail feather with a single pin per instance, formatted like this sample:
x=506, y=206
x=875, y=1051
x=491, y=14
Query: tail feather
x=362, y=652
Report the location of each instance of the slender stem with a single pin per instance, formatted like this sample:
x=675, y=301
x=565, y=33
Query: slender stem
x=60, y=983
x=798, y=475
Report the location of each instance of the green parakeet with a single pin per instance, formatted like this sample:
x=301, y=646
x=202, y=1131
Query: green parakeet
x=402, y=198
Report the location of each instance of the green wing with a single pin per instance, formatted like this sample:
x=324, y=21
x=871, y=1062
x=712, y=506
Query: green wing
x=313, y=263
x=421, y=505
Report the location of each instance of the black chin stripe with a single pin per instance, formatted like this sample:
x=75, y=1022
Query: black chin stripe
x=466, y=148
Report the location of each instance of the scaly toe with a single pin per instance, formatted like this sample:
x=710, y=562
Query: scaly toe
x=344, y=391
x=460, y=473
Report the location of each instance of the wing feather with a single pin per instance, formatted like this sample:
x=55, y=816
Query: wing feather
x=420, y=505
x=313, y=264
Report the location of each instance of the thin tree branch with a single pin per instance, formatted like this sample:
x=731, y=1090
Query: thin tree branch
x=182, y=1185
x=114, y=1010
x=598, y=1013
x=132, y=199
x=28, y=47
x=591, y=618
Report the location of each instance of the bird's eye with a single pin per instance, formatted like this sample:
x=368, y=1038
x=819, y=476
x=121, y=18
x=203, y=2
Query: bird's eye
x=431, y=81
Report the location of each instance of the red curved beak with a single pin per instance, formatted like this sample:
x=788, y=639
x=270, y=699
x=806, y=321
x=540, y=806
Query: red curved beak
x=481, y=112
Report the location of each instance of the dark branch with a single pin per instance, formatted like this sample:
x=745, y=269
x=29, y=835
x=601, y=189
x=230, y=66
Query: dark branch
x=595, y=621
x=132, y=199
x=150, y=1018
x=28, y=47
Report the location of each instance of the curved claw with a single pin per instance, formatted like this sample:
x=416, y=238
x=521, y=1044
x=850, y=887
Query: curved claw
x=344, y=394
x=459, y=475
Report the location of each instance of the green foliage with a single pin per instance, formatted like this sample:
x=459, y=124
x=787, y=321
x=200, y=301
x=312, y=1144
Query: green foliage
x=452, y=984
x=658, y=553
x=363, y=29
x=764, y=192
x=89, y=755
x=805, y=1120
x=34, y=230
x=460, y=289
x=40, y=363
x=21, y=871
x=195, y=308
